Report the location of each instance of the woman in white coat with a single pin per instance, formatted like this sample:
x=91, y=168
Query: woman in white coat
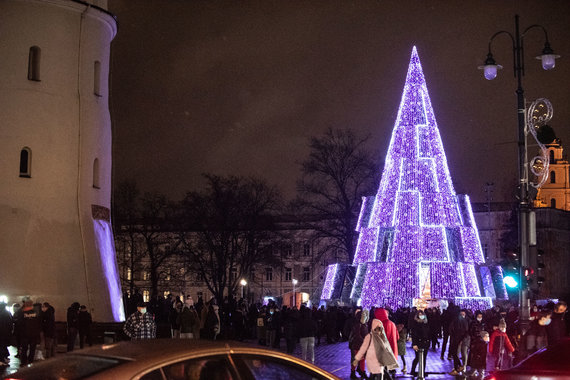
x=374, y=367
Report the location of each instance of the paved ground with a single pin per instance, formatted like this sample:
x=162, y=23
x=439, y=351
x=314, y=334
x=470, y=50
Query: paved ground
x=335, y=358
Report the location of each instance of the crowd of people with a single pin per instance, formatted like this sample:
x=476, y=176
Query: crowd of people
x=467, y=337
x=31, y=328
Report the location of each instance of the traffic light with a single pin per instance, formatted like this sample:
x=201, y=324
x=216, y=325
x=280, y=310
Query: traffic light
x=527, y=273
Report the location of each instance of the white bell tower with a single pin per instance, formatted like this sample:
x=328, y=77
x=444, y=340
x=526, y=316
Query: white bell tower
x=56, y=241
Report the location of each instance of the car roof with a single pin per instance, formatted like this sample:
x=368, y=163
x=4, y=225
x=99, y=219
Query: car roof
x=152, y=349
x=160, y=352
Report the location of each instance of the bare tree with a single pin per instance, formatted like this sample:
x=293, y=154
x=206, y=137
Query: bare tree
x=125, y=223
x=226, y=229
x=337, y=174
x=142, y=226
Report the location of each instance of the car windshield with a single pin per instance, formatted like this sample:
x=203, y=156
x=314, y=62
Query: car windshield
x=553, y=358
x=68, y=367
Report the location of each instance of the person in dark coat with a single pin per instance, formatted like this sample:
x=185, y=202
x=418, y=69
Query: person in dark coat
x=290, y=320
x=434, y=323
x=356, y=336
x=537, y=335
x=458, y=331
x=6, y=327
x=84, y=322
x=421, y=339
x=48, y=329
x=307, y=329
x=478, y=354
x=173, y=319
x=447, y=318
x=72, y=325
x=476, y=327
x=31, y=328
x=557, y=328
x=402, y=339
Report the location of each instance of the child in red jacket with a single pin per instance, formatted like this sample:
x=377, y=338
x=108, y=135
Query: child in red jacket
x=500, y=346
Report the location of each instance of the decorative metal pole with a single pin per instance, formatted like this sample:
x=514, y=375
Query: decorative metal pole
x=490, y=71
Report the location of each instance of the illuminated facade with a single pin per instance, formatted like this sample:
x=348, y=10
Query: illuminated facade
x=418, y=240
x=57, y=243
x=555, y=192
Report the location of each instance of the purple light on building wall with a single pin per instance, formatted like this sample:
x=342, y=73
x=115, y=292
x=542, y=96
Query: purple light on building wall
x=106, y=247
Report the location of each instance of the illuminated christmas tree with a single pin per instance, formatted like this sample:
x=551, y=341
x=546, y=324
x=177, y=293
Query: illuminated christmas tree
x=417, y=238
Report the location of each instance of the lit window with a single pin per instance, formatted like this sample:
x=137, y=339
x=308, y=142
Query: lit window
x=168, y=274
x=129, y=274
x=97, y=78
x=26, y=163
x=34, y=63
x=146, y=295
x=145, y=275
x=96, y=173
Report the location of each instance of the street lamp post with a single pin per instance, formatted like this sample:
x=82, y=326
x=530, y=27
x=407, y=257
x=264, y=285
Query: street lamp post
x=490, y=69
x=243, y=283
x=294, y=294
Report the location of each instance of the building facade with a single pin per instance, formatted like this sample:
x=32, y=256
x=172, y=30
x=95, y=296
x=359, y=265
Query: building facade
x=56, y=242
x=555, y=193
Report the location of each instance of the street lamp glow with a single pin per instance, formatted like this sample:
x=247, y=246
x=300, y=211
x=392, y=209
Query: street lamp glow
x=243, y=282
x=295, y=282
x=3, y=299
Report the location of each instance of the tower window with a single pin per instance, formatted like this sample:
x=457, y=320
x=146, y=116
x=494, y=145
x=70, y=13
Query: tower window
x=553, y=203
x=26, y=163
x=96, y=173
x=553, y=177
x=551, y=156
x=34, y=63
x=97, y=78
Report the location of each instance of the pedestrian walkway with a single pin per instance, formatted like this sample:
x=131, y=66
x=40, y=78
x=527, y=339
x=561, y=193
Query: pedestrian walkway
x=335, y=358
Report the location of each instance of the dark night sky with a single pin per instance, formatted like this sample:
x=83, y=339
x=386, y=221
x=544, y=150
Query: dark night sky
x=238, y=87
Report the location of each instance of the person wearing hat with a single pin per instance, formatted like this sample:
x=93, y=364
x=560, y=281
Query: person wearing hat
x=500, y=346
x=140, y=324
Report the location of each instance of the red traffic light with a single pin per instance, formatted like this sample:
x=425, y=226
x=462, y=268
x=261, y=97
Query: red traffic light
x=528, y=271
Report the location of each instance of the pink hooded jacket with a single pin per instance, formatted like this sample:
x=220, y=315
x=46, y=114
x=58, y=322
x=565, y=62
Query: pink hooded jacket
x=389, y=328
x=367, y=348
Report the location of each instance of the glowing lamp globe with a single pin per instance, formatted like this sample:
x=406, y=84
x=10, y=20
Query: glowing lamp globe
x=510, y=281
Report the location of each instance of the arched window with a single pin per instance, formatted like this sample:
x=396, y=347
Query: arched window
x=97, y=78
x=553, y=177
x=96, y=173
x=553, y=203
x=551, y=156
x=26, y=162
x=34, y=63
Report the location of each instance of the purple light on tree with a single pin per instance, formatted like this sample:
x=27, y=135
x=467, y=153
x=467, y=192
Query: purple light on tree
x=417, y=228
